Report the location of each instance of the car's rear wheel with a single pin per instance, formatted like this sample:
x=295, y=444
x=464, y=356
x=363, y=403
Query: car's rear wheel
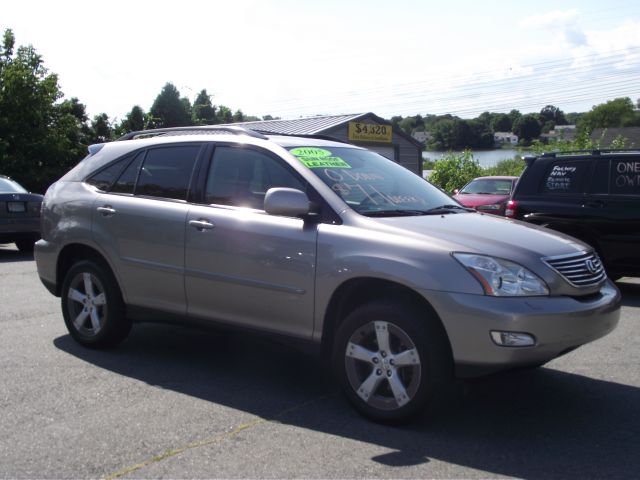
x=92, y=306
x=391, y=359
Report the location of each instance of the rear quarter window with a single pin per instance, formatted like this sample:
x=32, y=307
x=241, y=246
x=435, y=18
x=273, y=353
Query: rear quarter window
x=566, y=177
x=625, y=177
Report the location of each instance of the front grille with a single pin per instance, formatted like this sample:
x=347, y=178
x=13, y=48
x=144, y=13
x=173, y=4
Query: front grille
x=582, y=269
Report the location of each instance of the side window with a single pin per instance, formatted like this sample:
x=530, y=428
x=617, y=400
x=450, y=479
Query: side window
x=625, y=176
x=241, y=177
x=166, y=172
x=566, y=177
x=127, y=181
x=105, y=177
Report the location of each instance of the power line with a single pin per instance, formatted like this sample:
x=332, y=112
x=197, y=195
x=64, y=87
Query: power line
x=615, y=73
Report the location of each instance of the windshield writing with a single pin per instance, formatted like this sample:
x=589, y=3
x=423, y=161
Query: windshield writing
x=370, y=183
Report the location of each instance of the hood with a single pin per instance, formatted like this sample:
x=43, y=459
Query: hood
x=473, y=199
x=483, y=234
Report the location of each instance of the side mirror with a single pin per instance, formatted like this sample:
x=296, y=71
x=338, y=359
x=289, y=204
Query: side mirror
x=286, y=202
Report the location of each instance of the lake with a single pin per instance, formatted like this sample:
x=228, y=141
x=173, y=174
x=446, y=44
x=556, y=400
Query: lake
x=486, y=158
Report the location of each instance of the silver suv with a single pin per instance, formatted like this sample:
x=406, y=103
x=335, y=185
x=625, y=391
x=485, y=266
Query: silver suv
x=314, y=240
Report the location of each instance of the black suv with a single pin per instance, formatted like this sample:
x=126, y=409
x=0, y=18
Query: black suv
x=593, y=196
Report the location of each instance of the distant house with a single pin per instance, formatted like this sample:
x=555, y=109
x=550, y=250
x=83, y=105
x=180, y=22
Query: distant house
x=500, y=138
x=422, y=137
x=606, y=136
x=560, y=132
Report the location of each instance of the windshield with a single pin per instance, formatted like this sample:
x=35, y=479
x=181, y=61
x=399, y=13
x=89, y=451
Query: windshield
x=369, y=183
x=9, y=186
x=489, y=186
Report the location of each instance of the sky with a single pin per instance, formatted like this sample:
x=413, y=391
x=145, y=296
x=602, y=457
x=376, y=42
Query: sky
x=292, y=59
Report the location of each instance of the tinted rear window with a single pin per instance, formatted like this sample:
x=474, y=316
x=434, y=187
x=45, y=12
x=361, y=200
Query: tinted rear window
x=625, y=176
x=566, y=177
x=167, y=171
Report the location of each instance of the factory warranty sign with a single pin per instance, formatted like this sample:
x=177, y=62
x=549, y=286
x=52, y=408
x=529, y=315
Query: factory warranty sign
x=370, y=132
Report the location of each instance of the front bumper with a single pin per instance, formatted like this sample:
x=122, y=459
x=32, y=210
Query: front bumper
x=46, y=255
x=559, y=324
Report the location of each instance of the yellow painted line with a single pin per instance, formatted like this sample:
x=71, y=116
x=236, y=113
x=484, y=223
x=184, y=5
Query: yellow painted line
x=203, y=443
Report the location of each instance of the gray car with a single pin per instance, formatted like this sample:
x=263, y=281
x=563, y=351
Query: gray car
x=317, y=241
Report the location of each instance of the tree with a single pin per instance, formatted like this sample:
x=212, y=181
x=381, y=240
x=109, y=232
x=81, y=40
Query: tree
x=614, y=113
x=203, y=112
x=39, y=138
x=552, y=114
x=135, y=119
x=224, y=114
x=395, y=120
x=101, y=129
x=443, y=136
x=407, y=125
x=169, y=110
x=459, y=134
x=486, y=118
x=501, y=123
x=527, y=127
x=514, y=115
x=238, y=116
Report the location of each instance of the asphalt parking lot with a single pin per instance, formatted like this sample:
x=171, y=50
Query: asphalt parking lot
x=175, y=402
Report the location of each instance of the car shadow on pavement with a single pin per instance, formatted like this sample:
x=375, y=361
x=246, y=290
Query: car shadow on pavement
x=10, y=254
x=630, y=289
x=528, y=423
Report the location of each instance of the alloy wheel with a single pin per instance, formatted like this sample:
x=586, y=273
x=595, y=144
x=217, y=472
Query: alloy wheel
x=383, y=365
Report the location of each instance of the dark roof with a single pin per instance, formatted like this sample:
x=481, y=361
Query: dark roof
x=606, y=136
x=320, y=124
x=301, y=126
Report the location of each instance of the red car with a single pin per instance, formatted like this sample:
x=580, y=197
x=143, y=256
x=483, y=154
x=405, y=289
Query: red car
x=487, y=194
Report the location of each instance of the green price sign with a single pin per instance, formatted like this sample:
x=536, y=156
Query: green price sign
x=318, y=158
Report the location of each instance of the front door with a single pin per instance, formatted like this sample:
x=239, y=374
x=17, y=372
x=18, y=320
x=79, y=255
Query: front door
x=243, y=266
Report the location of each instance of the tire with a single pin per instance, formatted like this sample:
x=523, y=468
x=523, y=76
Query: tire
x=391, y=359
x=25, y=245
x=97, y=319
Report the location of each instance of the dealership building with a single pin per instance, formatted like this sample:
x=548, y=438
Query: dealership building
x=363, y=129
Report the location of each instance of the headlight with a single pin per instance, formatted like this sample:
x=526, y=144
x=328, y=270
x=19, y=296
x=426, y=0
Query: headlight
x=491, y=206
x=502, y=278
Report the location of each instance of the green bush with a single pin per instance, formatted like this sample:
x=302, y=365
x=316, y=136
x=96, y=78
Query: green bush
x=513, y=167
x=455, y=170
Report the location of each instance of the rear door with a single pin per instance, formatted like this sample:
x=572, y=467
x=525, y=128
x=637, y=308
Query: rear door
x=140, y=224
x=243, y=266
x=559, y=197
x=614, y=206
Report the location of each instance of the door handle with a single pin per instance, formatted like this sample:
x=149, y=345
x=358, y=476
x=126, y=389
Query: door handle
x=201, y=225
x=594, y=204
x=106, y=210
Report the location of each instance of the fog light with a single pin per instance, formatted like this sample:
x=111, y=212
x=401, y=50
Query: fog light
x=513, y=339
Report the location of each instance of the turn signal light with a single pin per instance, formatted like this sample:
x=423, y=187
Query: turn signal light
x=511, y=209
x=513, y=339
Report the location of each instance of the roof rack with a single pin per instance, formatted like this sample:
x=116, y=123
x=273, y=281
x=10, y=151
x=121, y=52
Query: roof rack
x=198, y=130
x=304, y=135
x=596, y=151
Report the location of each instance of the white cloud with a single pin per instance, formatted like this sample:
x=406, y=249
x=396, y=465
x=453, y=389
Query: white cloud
x=553, y=19
x=564, y=24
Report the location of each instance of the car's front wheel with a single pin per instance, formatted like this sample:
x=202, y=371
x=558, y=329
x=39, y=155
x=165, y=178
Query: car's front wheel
x=391, y=359
x=92, y=306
